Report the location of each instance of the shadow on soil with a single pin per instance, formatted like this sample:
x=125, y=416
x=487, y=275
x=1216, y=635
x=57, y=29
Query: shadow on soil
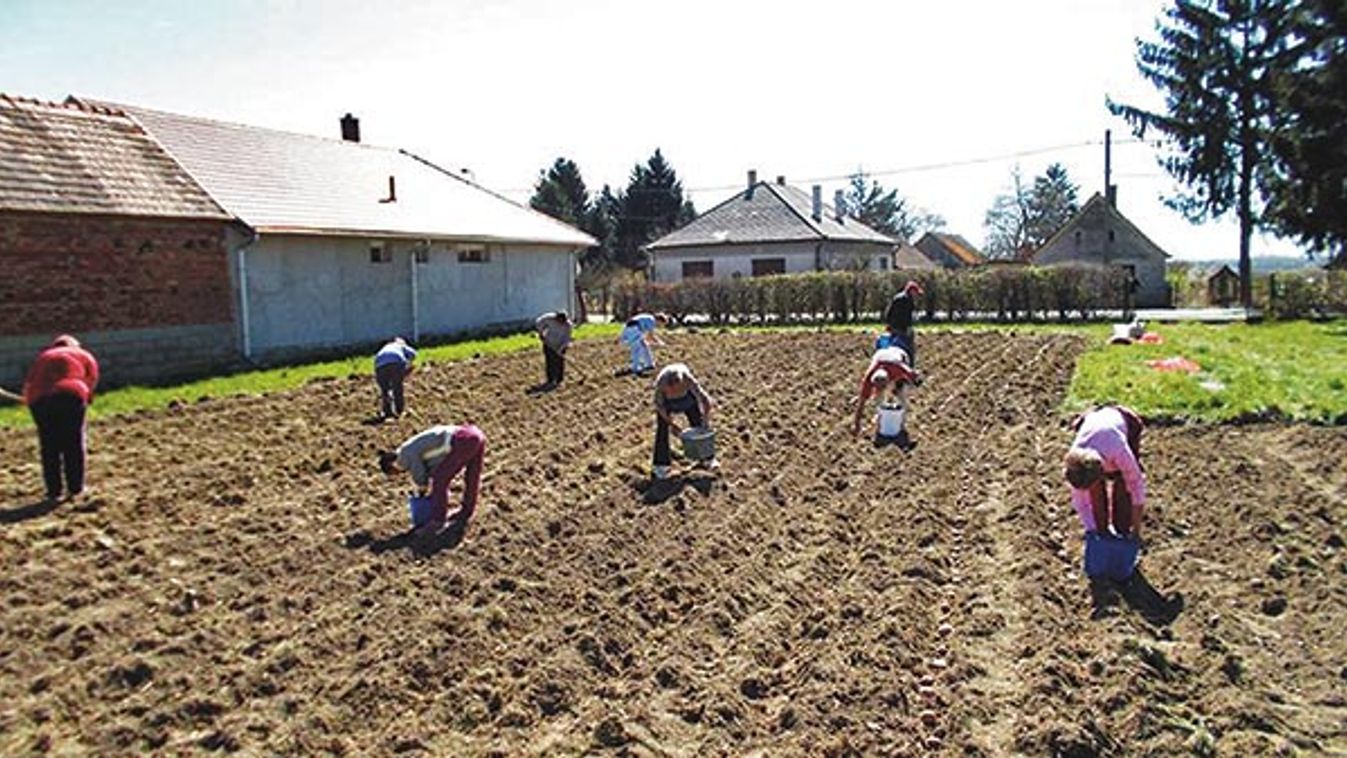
x=449, y=538
x=654, y=492
x=1139, y=595
x=25, y=512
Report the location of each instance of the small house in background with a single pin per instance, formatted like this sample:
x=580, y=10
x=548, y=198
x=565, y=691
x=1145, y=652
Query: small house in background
x=950, y=250
x=769, y=228
x=105, y=236
x=907, y=255
x=1219, y=284
x=1100, y=235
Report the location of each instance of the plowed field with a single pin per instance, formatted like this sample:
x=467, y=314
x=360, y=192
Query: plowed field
x=236, y=581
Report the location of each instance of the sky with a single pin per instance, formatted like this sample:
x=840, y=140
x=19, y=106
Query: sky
x=939, y=100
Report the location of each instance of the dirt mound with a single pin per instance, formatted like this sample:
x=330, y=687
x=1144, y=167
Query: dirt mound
x=237, y=582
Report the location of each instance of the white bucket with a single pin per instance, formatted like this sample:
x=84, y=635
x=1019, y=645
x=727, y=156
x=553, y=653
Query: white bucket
x=890, y=419
x=699, y=443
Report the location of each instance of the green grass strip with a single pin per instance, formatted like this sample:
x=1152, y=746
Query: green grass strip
x=135, y=398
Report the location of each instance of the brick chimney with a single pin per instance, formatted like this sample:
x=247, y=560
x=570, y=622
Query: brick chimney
x=839, y=206
x=781, y=180
x=818, y=203
x=752, y=182
x=350, y=128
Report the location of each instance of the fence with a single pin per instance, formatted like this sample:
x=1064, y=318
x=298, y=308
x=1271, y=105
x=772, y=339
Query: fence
x=1010, y=293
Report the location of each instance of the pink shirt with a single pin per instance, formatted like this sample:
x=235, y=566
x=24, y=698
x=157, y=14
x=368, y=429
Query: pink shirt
x=1105, y=432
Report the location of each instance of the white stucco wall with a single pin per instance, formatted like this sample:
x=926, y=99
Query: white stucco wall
x=317, y=292
x=808, y=255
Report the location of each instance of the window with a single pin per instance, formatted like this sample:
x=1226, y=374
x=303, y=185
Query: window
x=883, y=264
x=421, y=253
x=768, y=266
x=477, y=254
x=379, y=253
x=1111, y=235
x=1077, y=239
x=694, y=269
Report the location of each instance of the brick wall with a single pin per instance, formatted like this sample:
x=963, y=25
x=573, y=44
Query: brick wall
x=81, y=273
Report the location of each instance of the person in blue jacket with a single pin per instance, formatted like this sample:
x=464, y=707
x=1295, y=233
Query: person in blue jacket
x=392, y=364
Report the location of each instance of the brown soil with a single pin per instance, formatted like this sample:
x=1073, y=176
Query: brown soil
x=235, y=583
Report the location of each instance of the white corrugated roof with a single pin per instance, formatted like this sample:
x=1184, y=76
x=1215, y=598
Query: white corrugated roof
x=279, y=182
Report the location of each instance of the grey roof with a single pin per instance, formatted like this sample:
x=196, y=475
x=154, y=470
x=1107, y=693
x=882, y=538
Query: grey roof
x=279, y=182
x=767, y=212
x=70, y=159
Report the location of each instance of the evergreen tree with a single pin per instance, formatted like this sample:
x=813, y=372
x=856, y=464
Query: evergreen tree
x=1052, y=203
x=884, y=210
x=1307, y=186
x=1213, y=62
x=652, y=206
x=1008, y=220
x=561, y=193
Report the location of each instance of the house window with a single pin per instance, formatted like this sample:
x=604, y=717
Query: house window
x=694, y=269
x=421, y=254
x=768, y=266
x=1111, y=235
x=473, y=255
x=883, y=264
x=1077, y=239
x=379, y=253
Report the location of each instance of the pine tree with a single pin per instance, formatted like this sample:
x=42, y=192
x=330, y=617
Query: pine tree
x=1307, y=186
x=652, y=206
x=1052, y=203
x=561, y=193
x=1213, y=62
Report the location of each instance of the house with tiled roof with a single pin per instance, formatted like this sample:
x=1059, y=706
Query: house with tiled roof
x=950, y=250
x=769, y=228
x=344, y=243
x=1099, y=234
x=104, y=235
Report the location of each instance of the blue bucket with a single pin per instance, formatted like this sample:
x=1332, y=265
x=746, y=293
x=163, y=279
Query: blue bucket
x=419, y=507
x=1110, y=557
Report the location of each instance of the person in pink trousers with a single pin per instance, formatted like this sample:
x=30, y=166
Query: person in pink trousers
x=433, y=458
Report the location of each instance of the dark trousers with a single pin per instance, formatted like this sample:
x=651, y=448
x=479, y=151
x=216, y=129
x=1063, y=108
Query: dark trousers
x=60, y=433
x=907, y=340
x=556, y=365
x=390, y=378
x=687, y=405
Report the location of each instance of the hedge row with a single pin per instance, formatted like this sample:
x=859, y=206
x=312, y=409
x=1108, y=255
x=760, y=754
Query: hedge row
x=1303, y=294
x=1004, y=292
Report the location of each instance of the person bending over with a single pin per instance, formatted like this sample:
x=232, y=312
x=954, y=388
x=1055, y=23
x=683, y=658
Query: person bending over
x=638, y=335
x=677, y=391
x=1103, y=468
x=392, y=364
x=888, y=375
x=433, y=458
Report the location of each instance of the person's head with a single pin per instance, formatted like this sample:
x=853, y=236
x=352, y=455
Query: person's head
x=913, y=288
x=388, y=461
x=65, y=340
x=661, y=318
x=561, y=317
x=880, y=379
x=674, y=379
x=1083, y=467
x=399, y=341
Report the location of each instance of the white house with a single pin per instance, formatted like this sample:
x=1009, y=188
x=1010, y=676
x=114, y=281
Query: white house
x=347, y=243
x=769, y=228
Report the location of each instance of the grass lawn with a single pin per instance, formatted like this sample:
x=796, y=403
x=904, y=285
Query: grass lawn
x=128, y=399
x=1293, y=370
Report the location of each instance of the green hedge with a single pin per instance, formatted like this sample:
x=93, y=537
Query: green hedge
x=1006, y=292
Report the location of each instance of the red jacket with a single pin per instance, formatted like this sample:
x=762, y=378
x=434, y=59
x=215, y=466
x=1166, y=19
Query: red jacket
x=62, y=367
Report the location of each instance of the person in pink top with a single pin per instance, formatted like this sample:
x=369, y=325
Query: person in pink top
x=1103, y=467
x=57, y=390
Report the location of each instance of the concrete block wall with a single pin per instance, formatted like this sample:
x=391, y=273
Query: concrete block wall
x=134, y=356
x=81, y=272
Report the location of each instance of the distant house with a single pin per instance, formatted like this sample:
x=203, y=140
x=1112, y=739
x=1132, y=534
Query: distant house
x=1218, y=283
x=769, y=228
x=907, y=255
x=339, y=243
x=1099, y=234
x=103, y=235
x=950, y=250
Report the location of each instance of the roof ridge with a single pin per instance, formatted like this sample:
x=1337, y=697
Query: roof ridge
x=131, y=109
x=807, y=219
x=68, y=105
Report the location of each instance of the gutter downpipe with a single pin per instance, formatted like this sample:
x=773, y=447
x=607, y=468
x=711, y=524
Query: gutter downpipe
x=253, y=236
x=416, y=321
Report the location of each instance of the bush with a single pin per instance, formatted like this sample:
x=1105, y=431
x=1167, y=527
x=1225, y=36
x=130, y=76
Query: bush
x=1003, y=292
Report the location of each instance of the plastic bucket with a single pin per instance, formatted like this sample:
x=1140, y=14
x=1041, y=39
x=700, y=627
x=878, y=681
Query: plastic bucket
x=419, y=508
x=1110, y=557
x=699, y=443
x=890, y=419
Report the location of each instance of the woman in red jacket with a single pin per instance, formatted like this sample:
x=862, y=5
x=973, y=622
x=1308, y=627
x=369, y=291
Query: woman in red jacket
x=59, y=386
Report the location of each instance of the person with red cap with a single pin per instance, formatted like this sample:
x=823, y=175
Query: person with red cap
x=57, y=390
x=898, y=320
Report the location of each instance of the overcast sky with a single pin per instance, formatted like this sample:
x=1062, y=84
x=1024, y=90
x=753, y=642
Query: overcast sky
x=938, y=99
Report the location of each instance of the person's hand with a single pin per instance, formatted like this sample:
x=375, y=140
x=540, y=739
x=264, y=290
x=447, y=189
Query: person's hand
x=675, y=429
